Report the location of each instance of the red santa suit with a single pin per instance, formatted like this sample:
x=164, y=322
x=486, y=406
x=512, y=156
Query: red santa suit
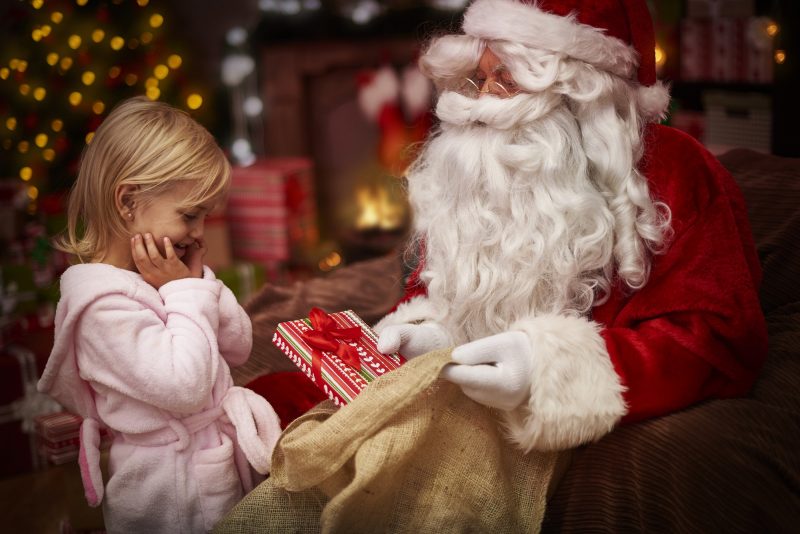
x=696, y=330
x=693, y=332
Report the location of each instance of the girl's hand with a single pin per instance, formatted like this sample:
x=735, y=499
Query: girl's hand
x=194, y=258
x=156, y=269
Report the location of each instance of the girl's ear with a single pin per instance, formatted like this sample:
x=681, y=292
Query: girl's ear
x=124, y=200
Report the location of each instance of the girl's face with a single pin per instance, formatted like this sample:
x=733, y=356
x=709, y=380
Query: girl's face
x=167, y=216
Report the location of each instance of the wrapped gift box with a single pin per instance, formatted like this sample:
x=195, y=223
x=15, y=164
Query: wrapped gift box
x=58, y=437
x=245, y=278
x=738, y=120
x=20, y=368
x=720, y=8
x=217, y=238
x=691, y=122
x=726, y=50
x=339, y=380
x=272, y=211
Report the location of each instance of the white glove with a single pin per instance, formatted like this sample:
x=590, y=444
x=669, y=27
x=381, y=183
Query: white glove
x=411, y=340
x=495, y=370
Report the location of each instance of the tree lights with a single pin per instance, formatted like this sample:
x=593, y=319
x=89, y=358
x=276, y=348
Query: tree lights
x=63, y=65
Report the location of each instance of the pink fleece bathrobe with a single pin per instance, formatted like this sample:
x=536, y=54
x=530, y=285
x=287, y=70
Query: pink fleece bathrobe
x=152, y=366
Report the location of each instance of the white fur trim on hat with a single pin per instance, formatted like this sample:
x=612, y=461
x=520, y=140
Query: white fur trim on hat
x=576, y=396
x=653, y=101
x=525, y=23
x=415, y=310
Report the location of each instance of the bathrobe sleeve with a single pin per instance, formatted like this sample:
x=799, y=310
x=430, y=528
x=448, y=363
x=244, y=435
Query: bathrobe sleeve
x=235, y=334
x=166, y=357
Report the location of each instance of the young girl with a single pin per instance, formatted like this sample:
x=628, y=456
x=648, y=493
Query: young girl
x=144, y=333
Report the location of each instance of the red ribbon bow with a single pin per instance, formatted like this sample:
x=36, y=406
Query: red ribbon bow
x=328, y=336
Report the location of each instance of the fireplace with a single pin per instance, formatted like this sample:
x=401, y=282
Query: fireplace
x=311, y=110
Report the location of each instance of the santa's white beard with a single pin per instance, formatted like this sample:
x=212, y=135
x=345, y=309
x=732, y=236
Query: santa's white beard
x=511, y=222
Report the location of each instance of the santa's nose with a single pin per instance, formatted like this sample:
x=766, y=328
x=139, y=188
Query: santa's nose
x=492, y=87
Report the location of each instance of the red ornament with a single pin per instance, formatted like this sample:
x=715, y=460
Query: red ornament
x=61, y=143
x=94, y=122
x=52, y=204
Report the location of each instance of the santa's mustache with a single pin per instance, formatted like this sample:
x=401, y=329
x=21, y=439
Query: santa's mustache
x=497, y=113
x=500, y=144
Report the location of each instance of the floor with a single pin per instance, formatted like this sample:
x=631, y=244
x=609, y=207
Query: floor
x=49, y=501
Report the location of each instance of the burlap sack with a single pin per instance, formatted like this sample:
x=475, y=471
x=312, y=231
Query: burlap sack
x=410, y=454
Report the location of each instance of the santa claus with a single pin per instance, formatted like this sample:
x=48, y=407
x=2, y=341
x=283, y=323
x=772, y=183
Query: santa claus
x=589, y=265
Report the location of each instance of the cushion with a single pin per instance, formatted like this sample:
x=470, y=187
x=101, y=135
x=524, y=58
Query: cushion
x=721, y=466
x=771, y=188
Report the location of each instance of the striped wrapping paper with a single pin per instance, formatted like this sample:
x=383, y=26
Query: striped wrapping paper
x=725, y=50
x=58, y=436
x=339, y=381
x=271, y=210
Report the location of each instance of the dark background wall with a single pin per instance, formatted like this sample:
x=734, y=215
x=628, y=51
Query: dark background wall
x=204, y=24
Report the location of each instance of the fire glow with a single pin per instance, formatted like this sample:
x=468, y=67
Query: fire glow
x=376, y=210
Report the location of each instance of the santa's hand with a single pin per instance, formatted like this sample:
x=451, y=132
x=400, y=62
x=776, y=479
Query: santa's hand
x=495, y=370
x=412, y=340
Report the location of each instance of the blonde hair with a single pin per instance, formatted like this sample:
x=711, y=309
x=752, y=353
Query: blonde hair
x=147, y=144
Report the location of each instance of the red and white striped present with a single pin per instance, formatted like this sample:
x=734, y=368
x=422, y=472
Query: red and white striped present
x=272, y=210
x=58, y=435
x=19, y=405
x=719, y=8
x=726, y=50
x=338, y=375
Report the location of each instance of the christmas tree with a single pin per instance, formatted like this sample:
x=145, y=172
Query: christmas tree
x=63, y=67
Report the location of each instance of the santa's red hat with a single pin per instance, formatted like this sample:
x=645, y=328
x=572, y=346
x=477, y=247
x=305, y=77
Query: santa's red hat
x=613, y=35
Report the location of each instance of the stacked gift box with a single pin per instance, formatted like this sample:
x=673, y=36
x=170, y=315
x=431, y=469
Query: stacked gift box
x=58, y=437
x=719, y=8
x=272, y=213
x=29, y=271
x=721, y=41
x=216, y=236
x=20, y=368
x=737, y=120
x=241, y=277
x=244, y=278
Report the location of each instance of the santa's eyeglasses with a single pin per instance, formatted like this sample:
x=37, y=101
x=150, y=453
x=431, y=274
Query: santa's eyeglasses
x=475, y=86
